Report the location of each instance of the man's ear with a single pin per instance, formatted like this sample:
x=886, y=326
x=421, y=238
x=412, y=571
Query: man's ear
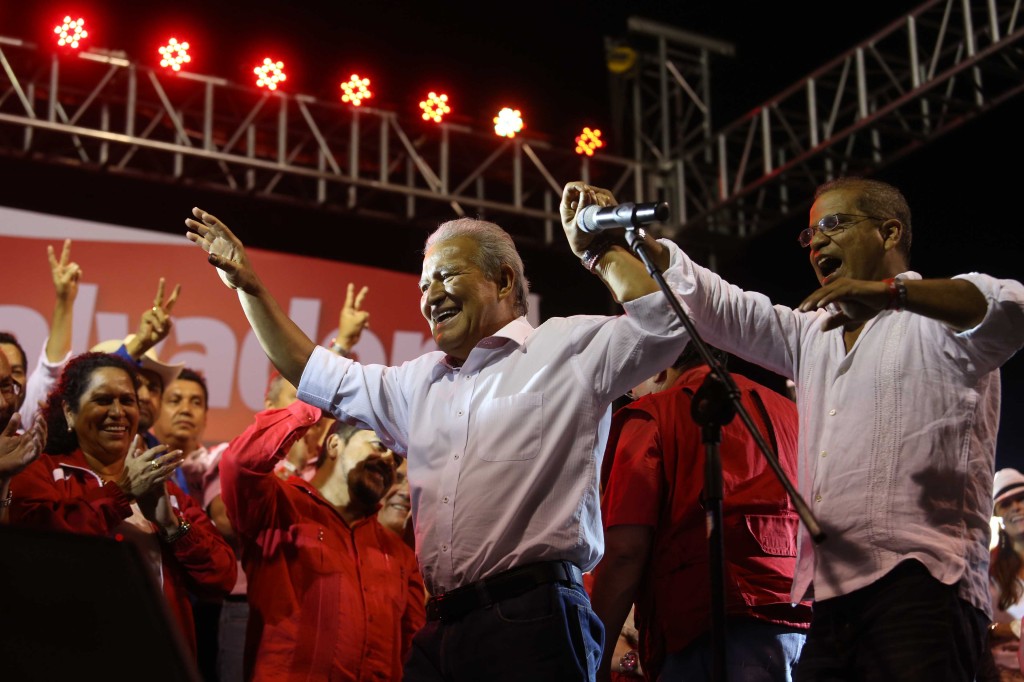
x=892, y=233
x=506, y=282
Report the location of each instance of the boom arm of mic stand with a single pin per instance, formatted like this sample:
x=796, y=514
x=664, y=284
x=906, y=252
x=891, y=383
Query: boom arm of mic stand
x=636, y=243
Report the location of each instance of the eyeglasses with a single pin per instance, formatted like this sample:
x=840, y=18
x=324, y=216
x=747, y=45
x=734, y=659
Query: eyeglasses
x=11, y=387
x=831, y=224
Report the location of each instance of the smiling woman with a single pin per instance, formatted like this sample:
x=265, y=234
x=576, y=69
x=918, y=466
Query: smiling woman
x=95, y=478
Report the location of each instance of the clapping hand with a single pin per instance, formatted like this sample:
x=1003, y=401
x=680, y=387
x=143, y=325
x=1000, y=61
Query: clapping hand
x=17, y=451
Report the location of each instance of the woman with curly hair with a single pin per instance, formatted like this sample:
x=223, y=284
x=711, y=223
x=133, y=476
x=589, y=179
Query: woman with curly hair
x=95, y=477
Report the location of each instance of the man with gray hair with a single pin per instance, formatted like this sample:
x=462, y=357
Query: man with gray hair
x=503, y=428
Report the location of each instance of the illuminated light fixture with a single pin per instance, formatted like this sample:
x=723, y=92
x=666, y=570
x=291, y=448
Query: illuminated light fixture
x=70, y=33
x=588, y=142
x=269, y=74
x=435, y=107
x=508, y=122
x=174, y=54
x=355, y=90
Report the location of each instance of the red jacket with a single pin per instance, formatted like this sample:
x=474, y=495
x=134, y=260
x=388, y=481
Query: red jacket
x=61, y=492
x=653, y=474
x=326, y=601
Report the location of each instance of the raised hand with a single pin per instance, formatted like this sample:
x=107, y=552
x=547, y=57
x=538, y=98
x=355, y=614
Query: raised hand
x=66, y=274
x=224, y=251
x=353, y=319
x=576, y=195
x=155, y=323
x=18, y=451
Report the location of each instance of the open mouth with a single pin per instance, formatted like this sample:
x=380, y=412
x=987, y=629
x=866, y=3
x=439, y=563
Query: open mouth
x=827, y=265
x=442, y=316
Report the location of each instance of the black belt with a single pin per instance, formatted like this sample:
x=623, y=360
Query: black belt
x=512, y=583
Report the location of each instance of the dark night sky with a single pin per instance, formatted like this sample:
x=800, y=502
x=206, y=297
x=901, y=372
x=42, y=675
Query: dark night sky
x=548, y=59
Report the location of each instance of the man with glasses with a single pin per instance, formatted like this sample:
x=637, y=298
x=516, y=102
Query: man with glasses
x=17, y=450
x=897, y=384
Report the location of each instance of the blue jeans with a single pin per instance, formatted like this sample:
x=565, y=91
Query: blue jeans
x=906, y=626
x=234, y=618
x=548, y=634
x=755, y=651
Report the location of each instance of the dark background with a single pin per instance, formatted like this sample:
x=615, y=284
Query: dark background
x=547, y=59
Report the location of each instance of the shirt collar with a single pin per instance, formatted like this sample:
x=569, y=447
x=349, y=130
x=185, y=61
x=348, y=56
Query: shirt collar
x=515, y=331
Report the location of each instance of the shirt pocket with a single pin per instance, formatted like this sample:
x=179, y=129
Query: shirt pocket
x=509, y=428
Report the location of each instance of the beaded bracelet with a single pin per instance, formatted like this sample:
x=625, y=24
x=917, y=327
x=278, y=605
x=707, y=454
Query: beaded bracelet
x=339, y=349
x=897, y=293
x=593, y=253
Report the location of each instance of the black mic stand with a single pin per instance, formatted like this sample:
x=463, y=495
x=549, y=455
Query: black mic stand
x=714, y=405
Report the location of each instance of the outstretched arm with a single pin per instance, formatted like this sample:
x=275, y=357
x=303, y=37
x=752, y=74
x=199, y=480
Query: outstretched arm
x=285, y=344
x=956, y=302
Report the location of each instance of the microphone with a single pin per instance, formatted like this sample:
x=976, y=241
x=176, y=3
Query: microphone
x=594, y=219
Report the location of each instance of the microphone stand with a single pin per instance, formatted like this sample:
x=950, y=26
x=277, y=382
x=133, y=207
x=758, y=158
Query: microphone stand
x=713, y=406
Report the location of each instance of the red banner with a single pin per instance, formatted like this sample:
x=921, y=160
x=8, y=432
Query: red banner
x=120, y=272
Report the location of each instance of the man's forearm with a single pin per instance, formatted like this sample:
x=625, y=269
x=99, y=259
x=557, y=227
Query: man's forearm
x=282, y=340
x=624, y=274
x=956, y=302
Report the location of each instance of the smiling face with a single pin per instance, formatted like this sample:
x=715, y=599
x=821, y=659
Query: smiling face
x=397, y=506
x=17, y=362
x=107, y=415
x=462, y=305
x=367, y=465
x=1011, y=511
x=857, y=252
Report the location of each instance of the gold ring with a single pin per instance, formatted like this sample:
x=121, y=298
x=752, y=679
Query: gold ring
x=154, y=464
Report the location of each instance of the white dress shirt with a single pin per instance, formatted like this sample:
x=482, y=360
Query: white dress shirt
x=504, y=452
x=897, y=437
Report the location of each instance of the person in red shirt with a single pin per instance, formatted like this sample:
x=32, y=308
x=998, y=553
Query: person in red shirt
x=333, y=595
x=96, y=478
x=656, y=546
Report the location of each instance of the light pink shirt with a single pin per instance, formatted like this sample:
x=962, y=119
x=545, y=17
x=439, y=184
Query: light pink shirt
x=897, y=437
x=504, y=452
x=39, y=384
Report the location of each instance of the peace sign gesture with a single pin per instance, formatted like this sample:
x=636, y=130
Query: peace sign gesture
x=352, y=320
x=155, y=323
x=66, y=274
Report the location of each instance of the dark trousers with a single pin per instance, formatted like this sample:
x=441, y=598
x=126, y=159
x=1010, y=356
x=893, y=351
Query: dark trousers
x=548, y=634
x=906, y=626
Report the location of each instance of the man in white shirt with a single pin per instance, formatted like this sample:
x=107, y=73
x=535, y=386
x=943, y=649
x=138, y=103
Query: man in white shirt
x=897, y=385
x=504, y=429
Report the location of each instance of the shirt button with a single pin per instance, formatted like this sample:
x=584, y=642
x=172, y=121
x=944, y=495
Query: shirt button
x=824, y=454
x=832, y=412
x=817, y=498
x=460, y=413
x=456, y=456
x=444, y=548
x=445, y=499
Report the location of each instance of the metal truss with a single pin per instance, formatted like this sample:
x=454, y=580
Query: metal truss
x=938, y=67
x=934, y=69
x=103, y=111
